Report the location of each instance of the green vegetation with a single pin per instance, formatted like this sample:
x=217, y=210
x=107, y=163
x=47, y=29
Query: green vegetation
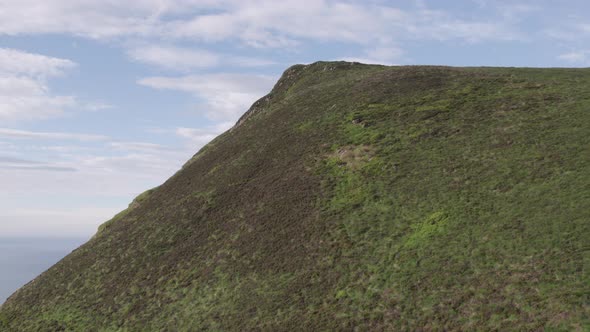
x=354, y=197
x=135, y=203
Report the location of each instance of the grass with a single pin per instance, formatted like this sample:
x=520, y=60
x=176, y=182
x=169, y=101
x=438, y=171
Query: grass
x=355, y=197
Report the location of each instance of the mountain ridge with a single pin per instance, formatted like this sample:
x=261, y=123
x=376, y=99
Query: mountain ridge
x=353, y=196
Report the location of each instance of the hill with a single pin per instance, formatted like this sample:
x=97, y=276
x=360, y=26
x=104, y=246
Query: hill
x=354, y=197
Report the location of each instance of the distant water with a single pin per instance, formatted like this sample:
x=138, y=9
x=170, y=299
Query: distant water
x=23, y=259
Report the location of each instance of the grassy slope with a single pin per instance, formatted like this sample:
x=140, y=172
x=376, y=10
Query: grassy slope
x=356, y=196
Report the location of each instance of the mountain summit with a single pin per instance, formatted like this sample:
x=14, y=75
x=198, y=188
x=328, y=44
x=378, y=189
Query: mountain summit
x=354, y=197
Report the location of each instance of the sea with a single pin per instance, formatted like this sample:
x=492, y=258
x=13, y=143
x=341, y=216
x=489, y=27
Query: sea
x=22, y=259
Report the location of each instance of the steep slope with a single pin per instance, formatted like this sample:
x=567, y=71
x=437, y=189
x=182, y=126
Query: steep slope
x=354, y=196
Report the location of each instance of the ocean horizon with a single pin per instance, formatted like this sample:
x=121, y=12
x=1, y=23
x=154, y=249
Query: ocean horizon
x=24, y=258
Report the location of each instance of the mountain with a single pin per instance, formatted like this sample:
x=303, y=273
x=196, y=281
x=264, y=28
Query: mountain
x=354, y=197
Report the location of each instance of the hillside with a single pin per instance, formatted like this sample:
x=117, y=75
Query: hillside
x=354, y=197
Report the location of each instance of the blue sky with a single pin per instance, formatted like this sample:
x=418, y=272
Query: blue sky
x=101, y=100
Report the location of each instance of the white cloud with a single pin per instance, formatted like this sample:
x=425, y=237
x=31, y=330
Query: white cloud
x=243, y=61
x=109, y=168
x=584, y=27
x=97, y=106
x=385, y=55
x=146, y=164
x=139, y=146
x=24, y=134
x=198, y=137
x=80, y=221
x=24, y=93
x=570, y=31
x=259, y=24
x=94, y=19
x=24, y=164
x=286, y=23
x=15, y=62
x=429, y=24
x=226, y=96
x=24, y=98
x=581, y=57
x=13, y=160
x=186, y=59
x=174, y=57
x=517, y=11
x=280, y=24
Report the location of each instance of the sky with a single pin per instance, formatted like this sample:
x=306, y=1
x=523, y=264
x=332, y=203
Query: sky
x=103, y=99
